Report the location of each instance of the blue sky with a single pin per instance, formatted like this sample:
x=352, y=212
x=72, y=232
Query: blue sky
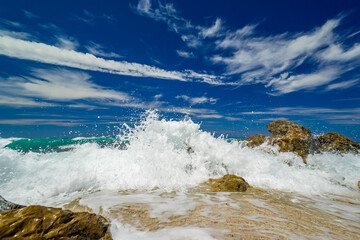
x=70, y=68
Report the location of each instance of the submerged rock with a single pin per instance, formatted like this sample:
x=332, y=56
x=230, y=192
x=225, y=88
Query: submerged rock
x=228, y=183
x=335, y=142
x=6, y=205
x=38, y=222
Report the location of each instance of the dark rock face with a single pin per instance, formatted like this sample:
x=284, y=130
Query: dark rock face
x=334, y=142
x=38, y=222
x=6, y=205
x=228, y=183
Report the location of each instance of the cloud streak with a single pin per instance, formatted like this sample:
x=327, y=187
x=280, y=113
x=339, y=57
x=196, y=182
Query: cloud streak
x=40, y=52
x=60, y=85
x=283, y=63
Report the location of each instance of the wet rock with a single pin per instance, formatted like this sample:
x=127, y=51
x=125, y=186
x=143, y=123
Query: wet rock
x=290, y=137
x=255, y=140
x=335, y=142
x=6, y=205
x=38, y=222
x=228, y=183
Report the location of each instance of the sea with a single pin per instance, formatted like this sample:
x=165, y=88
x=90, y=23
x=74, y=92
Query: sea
x=150, y=183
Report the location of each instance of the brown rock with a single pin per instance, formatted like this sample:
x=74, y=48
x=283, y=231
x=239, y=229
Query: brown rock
x=359, y=184
x=38, y=222
x=291, y=137
x=228, y=183
x=255, y=140
x=335, y=142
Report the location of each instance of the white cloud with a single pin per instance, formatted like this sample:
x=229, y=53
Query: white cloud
x=23, y=102
x=66, y=42
x=41, y=52
x=252, y=58
x=197, y=100
x=144, y=6
x=292, y=83
x=335, y=52
x=90, y=18
x=158, y=96
x=273, y=54
x=184, y=97
x=60, y=85
x=206, y=116
x=342, y=85
x=213, y=30
x=98, y=50
x=185, y=54
x=331, y=115
x=86, y=106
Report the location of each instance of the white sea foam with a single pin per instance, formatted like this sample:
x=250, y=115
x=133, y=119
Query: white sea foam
x=121, y=231
x=6, y=141
x=169, y=155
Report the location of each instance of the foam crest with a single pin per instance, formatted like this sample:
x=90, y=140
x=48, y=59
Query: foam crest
x=169, y=155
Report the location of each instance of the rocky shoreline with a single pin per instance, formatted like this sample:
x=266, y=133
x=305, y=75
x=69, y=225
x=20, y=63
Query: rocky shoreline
x=40, y=222
x=291, y=137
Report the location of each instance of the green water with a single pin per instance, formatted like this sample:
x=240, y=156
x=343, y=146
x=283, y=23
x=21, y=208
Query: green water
x=44, y=145
x=60, y=144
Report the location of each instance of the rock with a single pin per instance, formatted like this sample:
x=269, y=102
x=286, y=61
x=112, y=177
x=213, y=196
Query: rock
x=38, y=222
x=6, y=205
x=228, y=183
x=256, y=140
x=359, y=184
x=291, y=137
x=335, y=142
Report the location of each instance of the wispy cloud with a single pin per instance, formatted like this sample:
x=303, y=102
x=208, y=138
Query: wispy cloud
x=185, y=54
x=66, y=42
x=11, y=23
x=99, y=50
x=60, y=85
x=284, y=63
x=213, y=30
x=23, y=102
x=331, y=115
x=29, y=15
x=56, y=122
x=22, y=49
x=197, y=100
x=90, y=18
x=342, y=85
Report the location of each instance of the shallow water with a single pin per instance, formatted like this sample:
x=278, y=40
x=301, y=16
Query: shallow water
x=256, y=214
x=148, y=181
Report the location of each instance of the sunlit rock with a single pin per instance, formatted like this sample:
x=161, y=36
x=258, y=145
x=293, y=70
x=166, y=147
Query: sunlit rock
x=337, y=143
x=228, y=183
x=38, y=222
x=256, y=140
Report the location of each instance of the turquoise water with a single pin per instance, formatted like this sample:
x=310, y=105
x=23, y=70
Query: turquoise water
x=45, y=145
